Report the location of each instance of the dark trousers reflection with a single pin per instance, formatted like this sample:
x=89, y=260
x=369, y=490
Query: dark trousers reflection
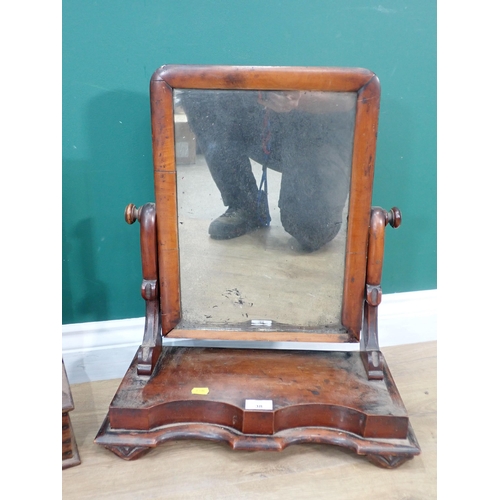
x=312, y=150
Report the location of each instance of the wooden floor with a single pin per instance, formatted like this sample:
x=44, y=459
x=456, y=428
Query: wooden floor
x=198, y=469
x=262, y=275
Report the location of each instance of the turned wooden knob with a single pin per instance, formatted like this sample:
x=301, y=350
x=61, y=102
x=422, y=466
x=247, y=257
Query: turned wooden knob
x=393, y=217
x=131, y=213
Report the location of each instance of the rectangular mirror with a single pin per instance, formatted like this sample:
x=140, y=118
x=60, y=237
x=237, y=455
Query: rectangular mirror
x=271, y=258
x=263, y=180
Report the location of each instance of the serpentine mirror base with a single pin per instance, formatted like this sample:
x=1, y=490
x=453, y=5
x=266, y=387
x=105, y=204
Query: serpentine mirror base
x=260, y=400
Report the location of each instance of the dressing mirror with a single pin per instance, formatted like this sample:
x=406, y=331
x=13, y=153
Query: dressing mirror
x=262, y=229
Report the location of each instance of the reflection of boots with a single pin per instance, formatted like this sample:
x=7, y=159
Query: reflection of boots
x=236, y=222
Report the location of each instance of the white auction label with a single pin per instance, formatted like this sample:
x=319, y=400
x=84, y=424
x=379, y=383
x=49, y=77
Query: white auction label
x=258, y=404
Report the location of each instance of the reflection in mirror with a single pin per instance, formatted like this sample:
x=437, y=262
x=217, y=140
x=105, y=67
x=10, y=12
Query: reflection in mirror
x=262, y=183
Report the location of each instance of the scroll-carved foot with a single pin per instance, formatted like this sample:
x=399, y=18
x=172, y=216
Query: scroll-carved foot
x=147, y=358
x=128, y=452
x=388, y=461
x=373, y=365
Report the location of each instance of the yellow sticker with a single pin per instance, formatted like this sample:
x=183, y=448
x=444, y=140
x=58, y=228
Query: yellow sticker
x=200, y=390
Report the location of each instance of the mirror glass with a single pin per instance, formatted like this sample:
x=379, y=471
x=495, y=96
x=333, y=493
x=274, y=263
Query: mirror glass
x=263, y=183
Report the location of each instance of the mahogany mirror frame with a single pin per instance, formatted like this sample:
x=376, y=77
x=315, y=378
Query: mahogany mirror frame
x=171, y=77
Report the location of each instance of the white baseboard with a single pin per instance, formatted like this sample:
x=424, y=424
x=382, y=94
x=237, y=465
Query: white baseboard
x=104, y=350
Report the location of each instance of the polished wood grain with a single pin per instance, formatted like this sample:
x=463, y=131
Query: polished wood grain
x=363, y=162
x=163, y=127
x=189, y=468
x=326, y=79
x=150, y=349
x=330, y=386
x=379, y=219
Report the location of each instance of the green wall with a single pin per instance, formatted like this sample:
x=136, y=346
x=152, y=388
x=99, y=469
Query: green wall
x=112, y=47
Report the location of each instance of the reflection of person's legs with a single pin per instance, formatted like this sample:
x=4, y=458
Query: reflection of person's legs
x=227, y=125
x=316, y=176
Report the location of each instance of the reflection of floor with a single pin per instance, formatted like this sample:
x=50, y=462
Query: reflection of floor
x=257, y=277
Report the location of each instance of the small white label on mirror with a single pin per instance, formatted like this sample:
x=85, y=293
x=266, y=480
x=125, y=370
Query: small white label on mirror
x=258, y=404
x=261, y=322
